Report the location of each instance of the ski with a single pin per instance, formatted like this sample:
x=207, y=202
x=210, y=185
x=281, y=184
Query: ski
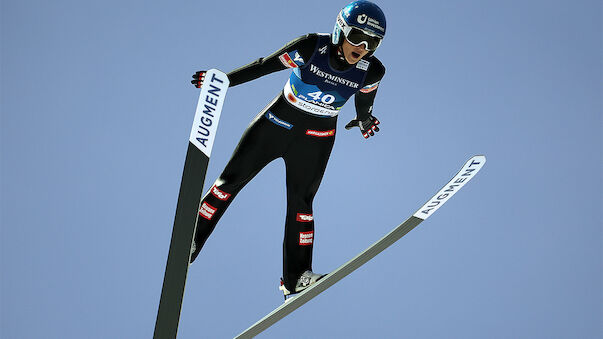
x=201, y=140
x=467, y=172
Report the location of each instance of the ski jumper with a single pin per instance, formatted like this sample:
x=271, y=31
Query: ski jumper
x=299, y=126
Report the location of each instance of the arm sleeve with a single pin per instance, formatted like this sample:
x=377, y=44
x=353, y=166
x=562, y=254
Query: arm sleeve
x=365, y=97
x=304, y=45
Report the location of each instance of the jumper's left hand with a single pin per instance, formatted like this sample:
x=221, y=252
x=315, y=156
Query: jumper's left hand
x=198, y=78
x=368, y=126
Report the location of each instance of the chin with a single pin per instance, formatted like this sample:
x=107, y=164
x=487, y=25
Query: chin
x=351, y=60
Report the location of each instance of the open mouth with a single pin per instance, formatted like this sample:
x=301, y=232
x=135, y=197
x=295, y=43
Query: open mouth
x=356, y=55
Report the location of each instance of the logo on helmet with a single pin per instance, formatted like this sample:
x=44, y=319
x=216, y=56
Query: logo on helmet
x=362, y=19
x=376, y=24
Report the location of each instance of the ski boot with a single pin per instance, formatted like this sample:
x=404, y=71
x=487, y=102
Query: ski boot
x=307, y=278
x=194, y=252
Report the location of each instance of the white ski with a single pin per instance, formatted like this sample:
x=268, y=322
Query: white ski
x=469, y=170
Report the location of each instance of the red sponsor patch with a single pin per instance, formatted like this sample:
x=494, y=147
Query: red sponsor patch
x=216, y=192
x=287, y=61
x=301, y=217
x=292, y=97
x=207, y=211
x=321, y=134
x=306, y=238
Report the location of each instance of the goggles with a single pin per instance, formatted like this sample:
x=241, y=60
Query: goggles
x=357, y=37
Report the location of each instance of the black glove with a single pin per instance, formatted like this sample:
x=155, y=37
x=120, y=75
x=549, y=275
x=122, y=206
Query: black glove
x=198, y=77
x=368, y=126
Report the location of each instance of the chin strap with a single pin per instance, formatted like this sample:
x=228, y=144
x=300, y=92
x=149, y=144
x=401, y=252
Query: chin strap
x=340, y=55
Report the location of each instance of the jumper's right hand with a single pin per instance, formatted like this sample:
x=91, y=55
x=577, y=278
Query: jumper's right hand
x=368, y=126
x=198, y=78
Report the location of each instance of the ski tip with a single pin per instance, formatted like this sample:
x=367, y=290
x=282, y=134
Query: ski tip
x=469, y=170
x=476, y=163
x=476, y=160
x=479, y=157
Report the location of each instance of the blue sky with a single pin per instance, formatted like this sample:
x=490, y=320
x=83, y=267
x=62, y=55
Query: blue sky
x=96, y=108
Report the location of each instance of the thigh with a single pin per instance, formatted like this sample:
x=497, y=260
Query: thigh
x=306, y=161
x=261, y=143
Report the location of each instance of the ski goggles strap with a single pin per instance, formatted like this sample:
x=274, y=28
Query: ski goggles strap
x=357, y=37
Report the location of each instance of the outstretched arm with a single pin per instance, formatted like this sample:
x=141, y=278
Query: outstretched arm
x=276, y=61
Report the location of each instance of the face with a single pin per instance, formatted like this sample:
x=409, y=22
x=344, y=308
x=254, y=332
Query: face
x=353, y=54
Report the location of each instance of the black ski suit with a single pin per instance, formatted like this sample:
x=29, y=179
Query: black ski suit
x=299, y=126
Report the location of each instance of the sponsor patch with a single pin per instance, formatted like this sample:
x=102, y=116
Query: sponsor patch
x=272, y=118
x=301, y=217
x=369, y=88
x=320, y=134
x=362, y=64
x=291, y=97
x=362, y=19
x=216, y=192
x=331, y=78
x=287, y=61
x=298, y=59
x=376, y=24
x=207, y=211
x=306, y=238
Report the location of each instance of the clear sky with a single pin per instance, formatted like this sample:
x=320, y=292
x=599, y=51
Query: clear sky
x=96, y=108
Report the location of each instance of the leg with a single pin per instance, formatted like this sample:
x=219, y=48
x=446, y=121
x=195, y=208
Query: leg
x=260, y=144
x=305, y=163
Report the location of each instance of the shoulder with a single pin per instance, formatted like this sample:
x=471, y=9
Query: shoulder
x=375, y=71
x=309, y=39
x=374, y=74
x=304, y=45
x=376, y=68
